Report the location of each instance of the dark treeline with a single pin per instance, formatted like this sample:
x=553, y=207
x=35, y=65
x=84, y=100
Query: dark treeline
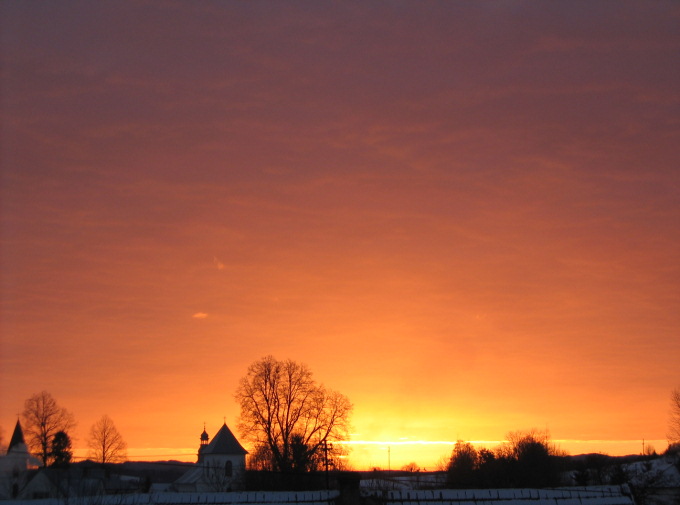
x=529, y=459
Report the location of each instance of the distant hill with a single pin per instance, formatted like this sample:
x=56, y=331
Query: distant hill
x=152, y=471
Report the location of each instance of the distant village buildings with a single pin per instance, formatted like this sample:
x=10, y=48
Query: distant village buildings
x=220, y=466
x=218, y=478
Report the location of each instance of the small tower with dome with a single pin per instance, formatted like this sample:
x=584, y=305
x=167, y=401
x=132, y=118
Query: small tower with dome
x=220, y=467
x=205, y=439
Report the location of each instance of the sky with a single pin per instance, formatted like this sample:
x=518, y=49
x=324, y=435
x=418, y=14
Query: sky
x=464, y=216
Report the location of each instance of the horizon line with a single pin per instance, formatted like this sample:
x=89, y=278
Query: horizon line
x=160, y=452
x=453, y=442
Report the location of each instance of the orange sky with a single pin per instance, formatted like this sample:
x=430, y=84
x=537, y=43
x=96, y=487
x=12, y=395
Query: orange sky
x=463, y=216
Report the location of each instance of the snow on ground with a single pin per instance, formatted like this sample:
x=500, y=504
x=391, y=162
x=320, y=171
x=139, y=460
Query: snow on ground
x=659, y=472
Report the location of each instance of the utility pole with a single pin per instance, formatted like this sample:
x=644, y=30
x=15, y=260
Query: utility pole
x=325, y=454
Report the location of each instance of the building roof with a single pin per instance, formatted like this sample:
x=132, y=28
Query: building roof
x=17, y=437
x=224, y=442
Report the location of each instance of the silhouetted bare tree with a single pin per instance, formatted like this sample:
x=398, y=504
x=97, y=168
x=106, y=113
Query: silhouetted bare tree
x=674, y=420
x=42, y=419
x=106, y=443
x=285, y=411
x=410, y=467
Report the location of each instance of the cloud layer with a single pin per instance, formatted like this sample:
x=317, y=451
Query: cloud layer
x=464, y=217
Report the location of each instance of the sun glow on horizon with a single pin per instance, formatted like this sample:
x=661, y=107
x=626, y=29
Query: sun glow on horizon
x=429, y=455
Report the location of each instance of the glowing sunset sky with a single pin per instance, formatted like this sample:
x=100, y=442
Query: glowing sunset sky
x=464, y=216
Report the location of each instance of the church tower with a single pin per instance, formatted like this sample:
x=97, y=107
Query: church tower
x=204, y=443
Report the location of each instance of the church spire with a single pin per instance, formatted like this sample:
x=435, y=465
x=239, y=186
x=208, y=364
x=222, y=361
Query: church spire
x=17, y=437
